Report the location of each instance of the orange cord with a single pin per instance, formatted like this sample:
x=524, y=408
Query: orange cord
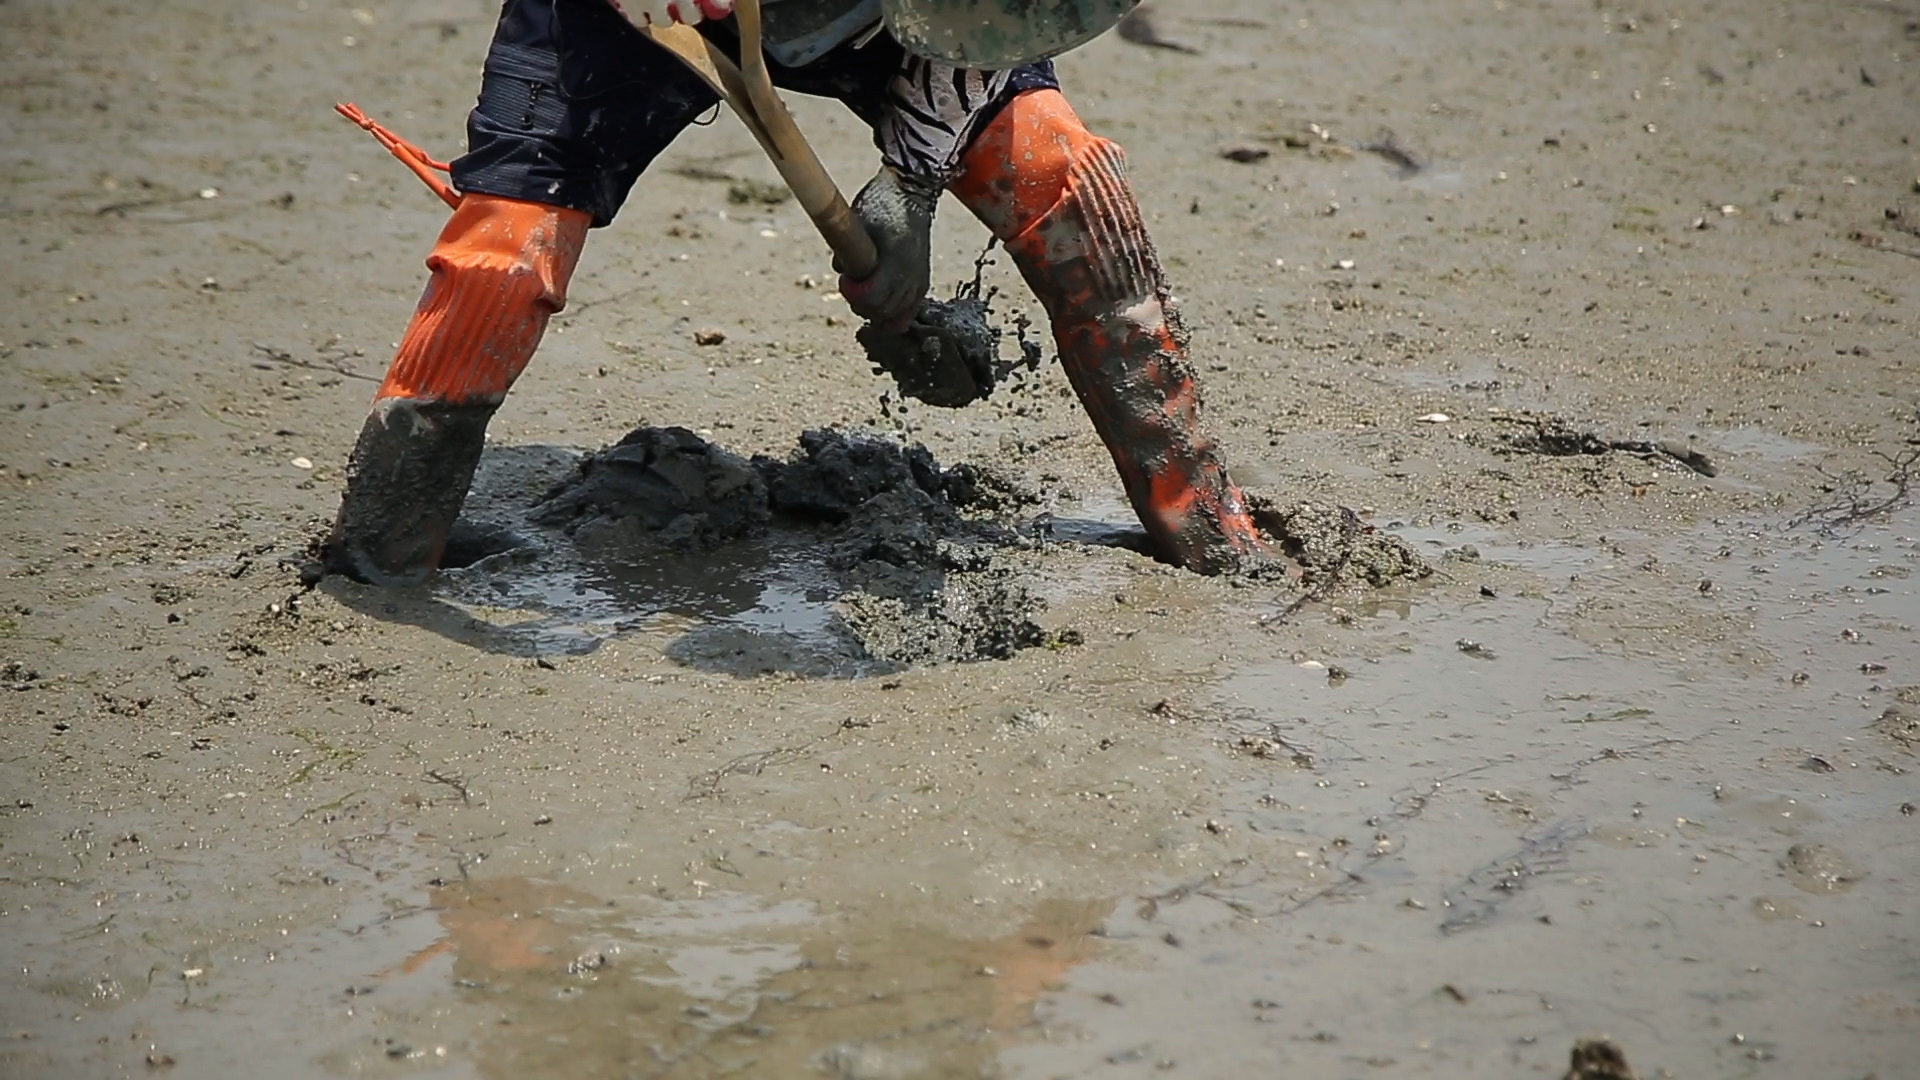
x=423, y=165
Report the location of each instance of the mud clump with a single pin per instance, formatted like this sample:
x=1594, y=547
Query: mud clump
x=1599, y=1059
x=1332, y=545
x=918, y=581
x=834, y=476
x=663, y=485
x=944, y=357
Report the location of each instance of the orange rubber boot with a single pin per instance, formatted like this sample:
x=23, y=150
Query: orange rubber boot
x=500, y=271
x=1057, y=196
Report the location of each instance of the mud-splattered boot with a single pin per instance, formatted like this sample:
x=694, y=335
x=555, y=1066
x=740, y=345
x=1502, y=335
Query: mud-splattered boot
x=1057, y=196
x=500, y=271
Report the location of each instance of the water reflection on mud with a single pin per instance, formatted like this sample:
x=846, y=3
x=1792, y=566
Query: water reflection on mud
x=549, y=981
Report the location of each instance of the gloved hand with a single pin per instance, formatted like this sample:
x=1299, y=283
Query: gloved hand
x=668, y=12
x=897, y=211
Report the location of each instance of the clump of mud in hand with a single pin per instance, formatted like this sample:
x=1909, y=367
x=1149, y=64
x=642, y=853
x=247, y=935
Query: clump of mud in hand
x=944, y=357
x=922, y=583
x=949, y=354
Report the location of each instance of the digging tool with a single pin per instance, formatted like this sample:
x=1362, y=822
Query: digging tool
x=945, y=356
x=749, y=90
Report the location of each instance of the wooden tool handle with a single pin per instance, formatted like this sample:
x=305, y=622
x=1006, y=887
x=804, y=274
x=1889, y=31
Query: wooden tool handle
x=749, y=90
x=795, y=158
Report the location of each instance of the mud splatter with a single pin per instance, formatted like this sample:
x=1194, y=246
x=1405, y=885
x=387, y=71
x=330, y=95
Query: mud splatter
x=1332, y=545
x=980, y=612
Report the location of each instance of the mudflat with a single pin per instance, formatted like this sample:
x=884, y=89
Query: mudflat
x=1610, y=315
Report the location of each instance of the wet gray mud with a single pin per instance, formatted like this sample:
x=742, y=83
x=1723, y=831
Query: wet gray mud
x=947, y=356
x=408, y=470
x=853, y=555
x=1331, y=546
x=1637, y=759
x=850, y=556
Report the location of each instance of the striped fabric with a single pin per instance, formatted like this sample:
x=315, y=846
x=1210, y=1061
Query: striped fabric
x=933, y=111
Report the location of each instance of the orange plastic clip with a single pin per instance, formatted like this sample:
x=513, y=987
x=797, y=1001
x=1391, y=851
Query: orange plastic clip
x=423, y=166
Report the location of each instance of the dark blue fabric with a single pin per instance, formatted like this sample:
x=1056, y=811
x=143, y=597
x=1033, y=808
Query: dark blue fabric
x=575, y=103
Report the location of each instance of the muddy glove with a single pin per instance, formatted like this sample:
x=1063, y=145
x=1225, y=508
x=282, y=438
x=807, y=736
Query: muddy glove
x=897, y=211
x=668, y=12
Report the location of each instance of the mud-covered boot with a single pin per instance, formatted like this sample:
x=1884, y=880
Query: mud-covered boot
x=1057, y=196
x=500, y=271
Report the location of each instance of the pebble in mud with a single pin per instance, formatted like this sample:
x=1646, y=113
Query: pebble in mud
x=1817, y=868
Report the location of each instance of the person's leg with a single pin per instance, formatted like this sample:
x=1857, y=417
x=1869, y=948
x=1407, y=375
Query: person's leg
x=1057, y=197
x=573, y=106
x=499, y=271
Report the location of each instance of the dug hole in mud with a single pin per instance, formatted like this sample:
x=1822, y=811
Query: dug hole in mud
x=855, y=555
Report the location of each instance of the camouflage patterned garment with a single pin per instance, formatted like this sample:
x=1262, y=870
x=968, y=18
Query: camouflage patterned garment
x=999, y=33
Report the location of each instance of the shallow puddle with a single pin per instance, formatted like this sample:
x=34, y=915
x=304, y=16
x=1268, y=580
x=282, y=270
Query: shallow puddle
x=1484, y=838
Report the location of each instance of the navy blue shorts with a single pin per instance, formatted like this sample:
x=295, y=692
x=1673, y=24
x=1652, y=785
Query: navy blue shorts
x=575, y=103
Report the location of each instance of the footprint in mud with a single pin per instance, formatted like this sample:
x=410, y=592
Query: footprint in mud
x=1817, y=868
x=1900, y=723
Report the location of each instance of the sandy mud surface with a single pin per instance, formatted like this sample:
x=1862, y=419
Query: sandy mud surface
x=1611, y=313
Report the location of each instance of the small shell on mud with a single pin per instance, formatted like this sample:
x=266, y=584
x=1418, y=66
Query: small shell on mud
x=1433, y=418
x=301, y=463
